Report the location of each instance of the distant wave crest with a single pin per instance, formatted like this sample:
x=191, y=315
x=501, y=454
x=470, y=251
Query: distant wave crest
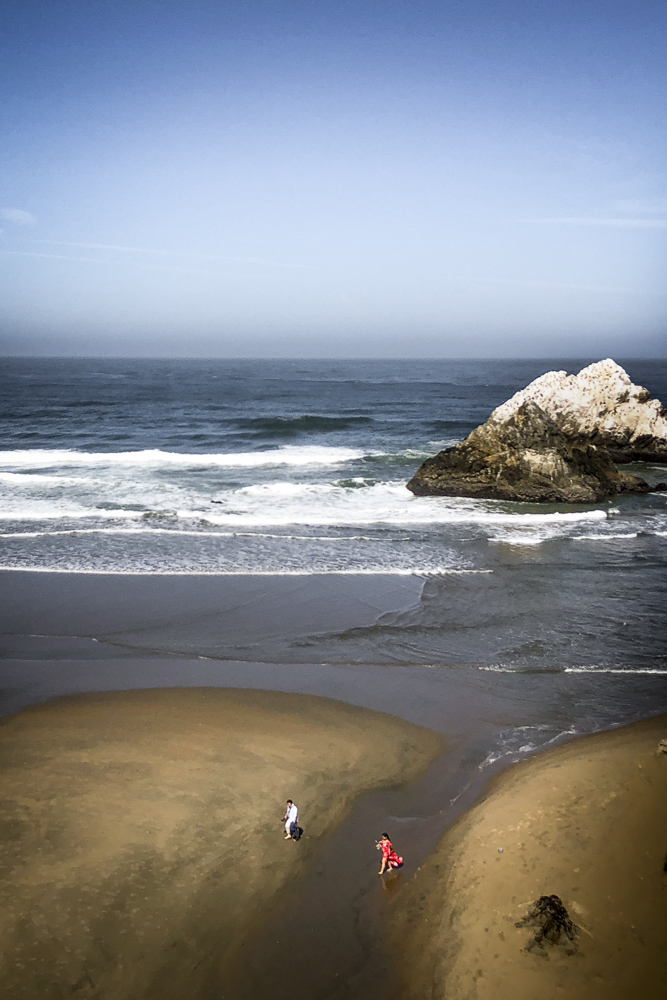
x=307, y=423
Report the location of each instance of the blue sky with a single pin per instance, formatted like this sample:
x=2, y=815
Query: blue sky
x=333, y=179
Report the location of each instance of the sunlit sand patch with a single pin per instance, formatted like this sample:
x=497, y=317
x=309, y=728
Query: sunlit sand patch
x=586, y=822
x=141, y=834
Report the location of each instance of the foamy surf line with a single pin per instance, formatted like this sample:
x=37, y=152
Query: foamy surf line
x=186, y=533
x=605, y=538
x=517, y=753
x=519, y=539
x=302, y=513
x=241, y=572
x=615, y=670
x=493, y=668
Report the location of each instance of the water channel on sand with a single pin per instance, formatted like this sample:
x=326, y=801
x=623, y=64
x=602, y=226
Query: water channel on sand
x=327, y=933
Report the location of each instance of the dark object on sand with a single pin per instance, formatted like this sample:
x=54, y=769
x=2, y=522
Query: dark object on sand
x=295, y=831
x=551, y=921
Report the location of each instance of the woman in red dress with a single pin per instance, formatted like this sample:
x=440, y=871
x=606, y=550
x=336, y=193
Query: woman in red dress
x=390, y=858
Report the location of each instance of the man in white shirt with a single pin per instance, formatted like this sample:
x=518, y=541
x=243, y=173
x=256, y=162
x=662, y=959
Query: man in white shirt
x=291, y=814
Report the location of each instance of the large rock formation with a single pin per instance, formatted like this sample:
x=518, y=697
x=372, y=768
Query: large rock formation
x=525, y=457
x=600, y=405
x=555, y=441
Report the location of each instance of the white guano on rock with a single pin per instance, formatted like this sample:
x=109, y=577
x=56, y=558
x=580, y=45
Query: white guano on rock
x=602, y=406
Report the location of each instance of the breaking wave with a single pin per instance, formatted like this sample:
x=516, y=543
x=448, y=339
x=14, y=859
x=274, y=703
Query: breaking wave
x=155, y=458
x=284, y=504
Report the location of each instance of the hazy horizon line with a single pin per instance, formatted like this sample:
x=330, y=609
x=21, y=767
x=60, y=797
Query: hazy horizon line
x=306, y=357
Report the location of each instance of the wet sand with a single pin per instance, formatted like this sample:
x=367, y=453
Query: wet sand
x=587, y=822
x=230, y=617
x=140, y=829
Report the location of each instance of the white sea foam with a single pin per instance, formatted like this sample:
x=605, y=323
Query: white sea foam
x=606, y=538
x=29, y=479
x=137, y=492
x=417, y=571
x=184, y=532
x=130, y=485
x=286, y=503
x=155, y=459
x=537, y=529
x=381, y=504
x=496, y=669
x=509, y=750
x=515, y=538
x=614, y=670
x=43, y=510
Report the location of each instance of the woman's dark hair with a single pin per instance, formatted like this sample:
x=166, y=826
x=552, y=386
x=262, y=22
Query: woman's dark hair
x=289, y=801
x=386, y=836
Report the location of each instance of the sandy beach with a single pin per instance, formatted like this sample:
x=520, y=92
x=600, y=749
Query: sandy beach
x=587, y=822
x=129, y=839
x=141, y=835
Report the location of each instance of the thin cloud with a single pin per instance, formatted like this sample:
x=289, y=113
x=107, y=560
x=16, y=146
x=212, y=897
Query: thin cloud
x=50, y=256
x=106, y=263
x=259, y=261
x=18, y=216
x=635, y=206
x=217, y=273
x=568, y=286
x=102, y=246
x=618, y=223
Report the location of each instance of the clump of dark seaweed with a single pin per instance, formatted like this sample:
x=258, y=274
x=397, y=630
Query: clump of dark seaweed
x=551, y=921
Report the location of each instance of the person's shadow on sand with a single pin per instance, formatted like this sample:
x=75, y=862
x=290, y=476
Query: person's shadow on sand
x=391, y=884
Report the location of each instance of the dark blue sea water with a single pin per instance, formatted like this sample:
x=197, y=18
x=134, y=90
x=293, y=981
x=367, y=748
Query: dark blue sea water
x=279, y=468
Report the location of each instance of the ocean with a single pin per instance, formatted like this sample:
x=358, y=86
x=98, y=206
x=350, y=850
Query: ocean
x=297, y=468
